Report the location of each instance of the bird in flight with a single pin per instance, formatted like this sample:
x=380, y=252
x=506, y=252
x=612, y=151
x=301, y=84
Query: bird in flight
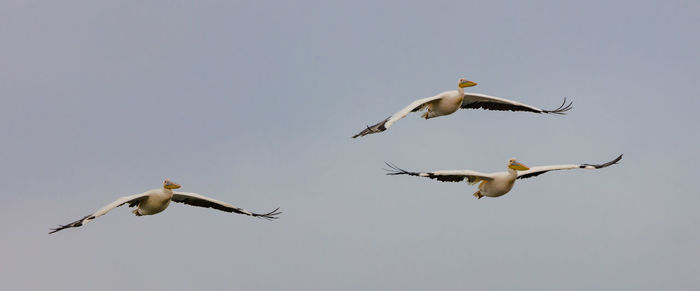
x=499, y=183
x=448, y=102
x=156, y=200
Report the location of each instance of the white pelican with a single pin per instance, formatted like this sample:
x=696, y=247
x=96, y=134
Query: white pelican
x=495, y=184
x=448, y=102
x=156, y=200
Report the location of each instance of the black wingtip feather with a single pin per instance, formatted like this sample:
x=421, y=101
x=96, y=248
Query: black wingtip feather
x=610, y=163
x=562, y=109
x=395, y=170
x=270, y=215
x=379, y=127
x=76, y=223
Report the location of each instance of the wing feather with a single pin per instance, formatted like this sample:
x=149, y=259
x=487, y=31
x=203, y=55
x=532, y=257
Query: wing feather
x=536, y=171
x=472, y=177
x=132, y=200
x=386, y=123
x=195, y=199
x=476, y=101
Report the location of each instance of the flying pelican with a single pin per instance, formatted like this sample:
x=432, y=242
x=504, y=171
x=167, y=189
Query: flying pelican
x=495, y=184
x=156, y=200
x=448, y=102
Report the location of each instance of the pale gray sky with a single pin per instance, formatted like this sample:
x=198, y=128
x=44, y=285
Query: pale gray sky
x=254, y=103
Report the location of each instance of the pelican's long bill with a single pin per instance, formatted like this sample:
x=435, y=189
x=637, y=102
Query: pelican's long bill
x=515, y=165
x=170, y=184
x=466, y=83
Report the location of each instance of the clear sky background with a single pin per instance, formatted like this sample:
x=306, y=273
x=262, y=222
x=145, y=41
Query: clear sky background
x=254, y=103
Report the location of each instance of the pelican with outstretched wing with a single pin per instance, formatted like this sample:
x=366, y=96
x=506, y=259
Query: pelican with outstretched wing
x=156, y=200
x=495, y=184
x=448, y=102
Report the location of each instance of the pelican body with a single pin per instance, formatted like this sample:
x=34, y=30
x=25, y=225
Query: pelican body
x=449, y=102
x=446, y=102
x=156, y=200
x=499, y=183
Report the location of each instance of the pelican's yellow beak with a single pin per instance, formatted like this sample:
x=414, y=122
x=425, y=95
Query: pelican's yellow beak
x=170, y=185
x=518, y=166
x=467, y=83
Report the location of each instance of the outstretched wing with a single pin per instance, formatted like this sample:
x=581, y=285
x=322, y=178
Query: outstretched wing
x=132, y=200
x=536, y=171
x=476, y=101
x=386, y=123
x=472, y=177
x=195, y=199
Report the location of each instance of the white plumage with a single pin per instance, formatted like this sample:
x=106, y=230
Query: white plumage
x=156, y=200
x=448, y=102
x=495, y=184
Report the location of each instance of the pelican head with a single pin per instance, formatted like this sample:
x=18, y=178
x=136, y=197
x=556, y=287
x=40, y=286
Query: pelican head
x=167, y=184
x=515, y=165
x=463, y=83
